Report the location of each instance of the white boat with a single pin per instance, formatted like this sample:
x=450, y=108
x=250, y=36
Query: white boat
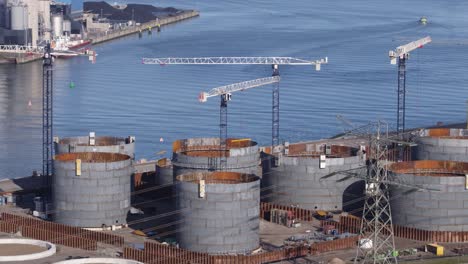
x=66, y=47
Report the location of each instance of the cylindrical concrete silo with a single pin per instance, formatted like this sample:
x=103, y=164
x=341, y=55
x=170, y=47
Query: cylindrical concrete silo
x=91, y=189
x=203, y=154
x=164, y=173
x=57, y=25
x=66, y=27
x=442, y=144
x=297, y=178
x=18, y=17
x=220, y=216
x=99, y=144
x=442, y=210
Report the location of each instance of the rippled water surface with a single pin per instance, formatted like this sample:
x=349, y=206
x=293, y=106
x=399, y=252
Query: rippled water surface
x=120, y=96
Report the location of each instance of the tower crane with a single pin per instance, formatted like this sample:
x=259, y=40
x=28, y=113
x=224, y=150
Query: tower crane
x=401, y=54
x=225, y=94
x=47, y=120
x=274, y=61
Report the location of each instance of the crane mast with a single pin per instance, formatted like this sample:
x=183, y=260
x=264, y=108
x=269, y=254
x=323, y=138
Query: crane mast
x=273, y=61
x=401, y=54
x=225, y=94
x=47, y=121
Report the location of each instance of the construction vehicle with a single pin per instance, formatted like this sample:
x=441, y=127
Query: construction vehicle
x=323, y=215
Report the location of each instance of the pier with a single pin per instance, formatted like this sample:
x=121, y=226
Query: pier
x=23, y=54
x=145, y=26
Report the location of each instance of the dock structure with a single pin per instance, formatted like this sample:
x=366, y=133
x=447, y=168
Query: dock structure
x=20, y=54
x=183, y=15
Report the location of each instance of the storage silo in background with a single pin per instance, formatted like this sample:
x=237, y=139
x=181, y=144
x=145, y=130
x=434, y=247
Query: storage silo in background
x=297, y=179
x=66, y=27
x=219, y=212
x=204, y=154
x=93, y=143
x=443, y=210
x=442, y=144
x=18, y=17
x=57, y=25
x=91, y=189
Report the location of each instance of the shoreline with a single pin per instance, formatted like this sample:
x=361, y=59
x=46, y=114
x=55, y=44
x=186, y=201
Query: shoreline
x=184, y=15
x=21, y=58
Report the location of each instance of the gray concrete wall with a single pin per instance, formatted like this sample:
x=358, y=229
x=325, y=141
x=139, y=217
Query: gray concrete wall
x=101, y=195
x=297, y=181
x=242, y=160
x=442, y=148
x=225, y=221
x=164, y=175
x=243, y=164
x=446, y=210
x=81, y=144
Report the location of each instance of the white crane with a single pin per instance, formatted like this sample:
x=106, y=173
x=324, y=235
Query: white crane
x=225, y=93
x=402, y=53
x=274, y=61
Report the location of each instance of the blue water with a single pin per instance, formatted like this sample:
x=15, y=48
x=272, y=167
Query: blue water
x=120, y=96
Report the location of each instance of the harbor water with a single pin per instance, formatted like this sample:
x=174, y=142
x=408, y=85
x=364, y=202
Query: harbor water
x=120, y=96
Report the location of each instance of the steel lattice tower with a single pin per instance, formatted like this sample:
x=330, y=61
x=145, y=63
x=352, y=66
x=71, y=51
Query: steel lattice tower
x=47, y=121
x=275, y=110
x=376, y=225
x=223, y=130
x=401, y=94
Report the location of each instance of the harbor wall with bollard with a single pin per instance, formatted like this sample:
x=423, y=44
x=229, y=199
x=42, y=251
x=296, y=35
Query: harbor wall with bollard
x=145, y=26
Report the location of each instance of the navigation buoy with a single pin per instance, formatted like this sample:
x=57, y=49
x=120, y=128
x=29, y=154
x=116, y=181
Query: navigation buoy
x=72, y=84
x=161, y=140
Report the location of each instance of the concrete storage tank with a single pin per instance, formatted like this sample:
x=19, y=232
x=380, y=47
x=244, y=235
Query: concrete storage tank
x=442, y=144
x=443, y=210
x=57, y=25
x=93, y=143
x=91, y=189
x=18, y=17
x=296, y=180
x=203, y=154
x=221, y=215
x=66, y=27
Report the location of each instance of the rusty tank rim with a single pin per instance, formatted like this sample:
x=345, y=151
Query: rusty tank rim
x=99, y=141
x=443, y=133
x=92, y=157
x=430, y=168
x=299, y=150
x=218, y=177
x=181, y=146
